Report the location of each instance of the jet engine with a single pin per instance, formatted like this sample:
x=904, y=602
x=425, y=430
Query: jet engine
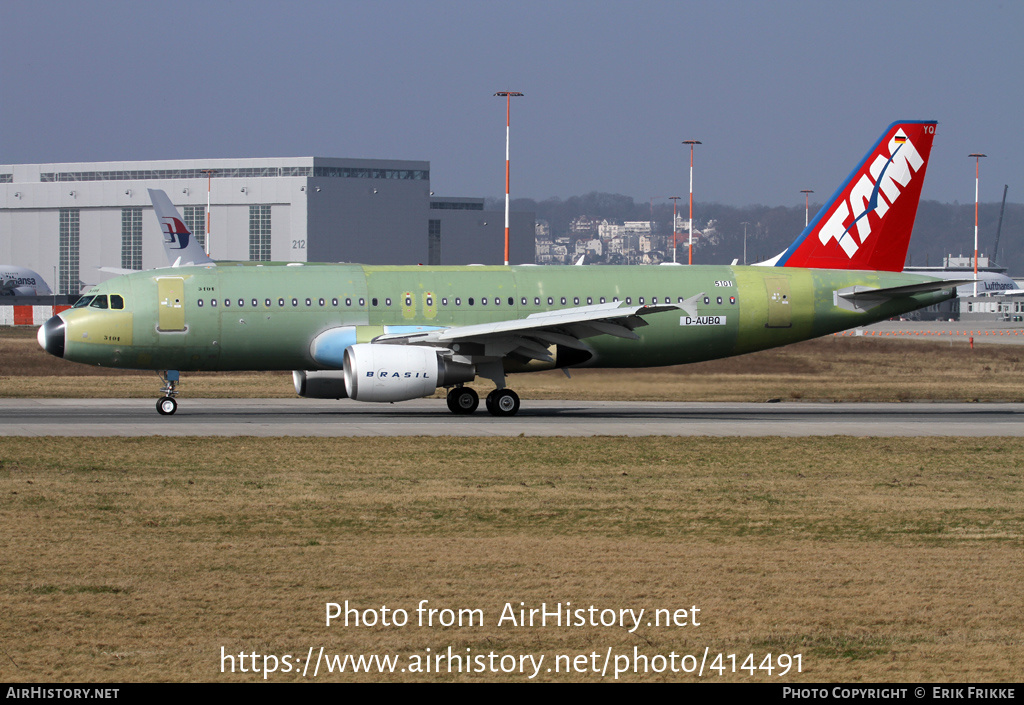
x=376, y=372
x=324, y=384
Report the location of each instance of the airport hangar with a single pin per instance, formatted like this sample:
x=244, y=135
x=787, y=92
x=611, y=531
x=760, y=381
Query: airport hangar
x=65, y=221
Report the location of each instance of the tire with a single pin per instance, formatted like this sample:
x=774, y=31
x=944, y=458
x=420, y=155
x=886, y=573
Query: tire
x=503, y=402
x=463, y=400
x=166, y=406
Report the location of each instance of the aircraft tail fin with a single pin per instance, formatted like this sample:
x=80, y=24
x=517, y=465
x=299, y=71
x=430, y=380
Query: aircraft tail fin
x=867, y=222
x=179, y=244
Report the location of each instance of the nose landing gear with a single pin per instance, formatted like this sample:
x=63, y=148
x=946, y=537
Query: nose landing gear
x=166, y=405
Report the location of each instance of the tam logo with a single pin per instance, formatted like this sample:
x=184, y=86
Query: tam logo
x=874, y=192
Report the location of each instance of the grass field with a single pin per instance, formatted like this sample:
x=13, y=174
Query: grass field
x=875, y=560
x=871, y=559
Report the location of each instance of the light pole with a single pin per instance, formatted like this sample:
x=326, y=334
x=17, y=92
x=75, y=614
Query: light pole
x=675, y=202
x=744, y=224
x=977, y=168
x=209, y=179
x=807, y=205
x=691, y=143
x=507, y=95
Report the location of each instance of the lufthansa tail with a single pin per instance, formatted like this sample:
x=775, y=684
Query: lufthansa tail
x=866, y=224
x=181, y=247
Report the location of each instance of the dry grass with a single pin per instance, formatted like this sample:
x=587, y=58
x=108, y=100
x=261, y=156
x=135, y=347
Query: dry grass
x=835, y=369
x=137, y=559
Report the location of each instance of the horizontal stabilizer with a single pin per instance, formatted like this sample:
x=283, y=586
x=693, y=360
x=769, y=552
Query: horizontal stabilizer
x=865, y=298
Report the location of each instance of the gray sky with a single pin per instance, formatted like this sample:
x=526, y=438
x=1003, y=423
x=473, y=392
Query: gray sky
x=784, y=95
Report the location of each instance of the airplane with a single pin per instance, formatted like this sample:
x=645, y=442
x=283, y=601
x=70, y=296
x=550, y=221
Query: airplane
x=21, y=281
x=393, y=333
x=180, y=246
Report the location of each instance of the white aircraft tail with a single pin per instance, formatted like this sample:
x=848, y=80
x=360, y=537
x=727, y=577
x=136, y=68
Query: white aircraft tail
x=181, y=247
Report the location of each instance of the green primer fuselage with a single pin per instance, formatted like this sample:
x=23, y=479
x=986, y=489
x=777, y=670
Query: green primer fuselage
x=264, y=317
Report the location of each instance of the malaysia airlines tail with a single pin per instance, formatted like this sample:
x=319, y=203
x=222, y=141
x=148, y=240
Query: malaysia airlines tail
x=181, y=247
x=866, y=224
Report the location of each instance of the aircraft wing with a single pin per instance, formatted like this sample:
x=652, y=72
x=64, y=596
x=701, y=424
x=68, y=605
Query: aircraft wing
x=532, y=336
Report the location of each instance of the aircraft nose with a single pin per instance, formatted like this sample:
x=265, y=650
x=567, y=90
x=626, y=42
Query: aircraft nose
x=51, y=336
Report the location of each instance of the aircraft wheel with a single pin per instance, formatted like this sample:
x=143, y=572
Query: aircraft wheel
x=503, y=402
x=166, y=406
x=463, y=400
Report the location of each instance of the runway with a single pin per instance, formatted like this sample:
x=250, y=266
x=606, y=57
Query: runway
x=430, y=417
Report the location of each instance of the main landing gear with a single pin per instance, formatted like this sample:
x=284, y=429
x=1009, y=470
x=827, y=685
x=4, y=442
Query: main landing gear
x=165, y=405
x=500, y=402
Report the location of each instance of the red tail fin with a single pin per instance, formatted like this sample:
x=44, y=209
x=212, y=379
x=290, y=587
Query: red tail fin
x=867, y=222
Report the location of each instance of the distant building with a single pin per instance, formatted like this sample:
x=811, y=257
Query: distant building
x=73, y=218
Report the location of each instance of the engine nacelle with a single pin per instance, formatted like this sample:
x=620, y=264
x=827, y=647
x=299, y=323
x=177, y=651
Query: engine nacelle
x=375, y=372
x=324, y=384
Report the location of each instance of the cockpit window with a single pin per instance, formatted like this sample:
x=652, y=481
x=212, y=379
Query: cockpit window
x=99, y=301
x=116, y=302
x=83, y=302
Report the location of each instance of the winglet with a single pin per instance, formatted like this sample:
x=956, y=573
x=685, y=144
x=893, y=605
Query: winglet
x=866, y=224
x=180, y=246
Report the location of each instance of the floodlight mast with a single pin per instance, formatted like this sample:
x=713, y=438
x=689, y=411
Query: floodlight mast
x=691, y=143
x=807, y=205
x=508, y=96
x=209, y=179
x=977, y=161
x=675, y=202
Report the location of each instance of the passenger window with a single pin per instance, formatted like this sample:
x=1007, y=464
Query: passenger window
x=241, y=303
x=256, y=302
x=551, y=301
x=576, y=301
x=444, y=301
x=590, y=300
x=373, y=301
x=227, y=302
x=641, y=299
x=116, y=302
x=511, y=301
x=458, y=301
x=266, y=303
x=387, y=302
x=99, y=302
x=280, y=302
x=348, y=302
x=408, y=301
x=602, y=299
x=213, y=302
x=483, y=301
x=470, y=300
x=309, y=302
x=563, y=301
x=200, y=302
x=322, y=302
x=362, y=302
x=536, y=301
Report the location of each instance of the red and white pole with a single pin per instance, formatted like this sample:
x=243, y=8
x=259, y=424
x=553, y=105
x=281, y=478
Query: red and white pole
x=977, y=170
x=807, y=205
x=691, y=143
x=508, y=95
x=209, y=181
